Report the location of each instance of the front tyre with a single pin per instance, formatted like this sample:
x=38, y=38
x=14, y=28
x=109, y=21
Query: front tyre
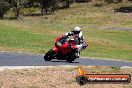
x=71, y=58
x=49, y=55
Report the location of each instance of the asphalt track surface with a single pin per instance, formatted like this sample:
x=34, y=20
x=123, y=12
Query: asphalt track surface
x=24, y=59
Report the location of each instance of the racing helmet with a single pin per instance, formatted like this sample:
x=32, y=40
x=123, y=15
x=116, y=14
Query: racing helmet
x=77, y=30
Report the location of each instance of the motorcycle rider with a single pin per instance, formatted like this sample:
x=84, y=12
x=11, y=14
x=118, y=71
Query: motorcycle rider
x=78, y=36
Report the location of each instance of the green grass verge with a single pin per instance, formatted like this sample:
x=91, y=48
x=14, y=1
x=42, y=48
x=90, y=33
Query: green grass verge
x=13, y=37
x=109, y=43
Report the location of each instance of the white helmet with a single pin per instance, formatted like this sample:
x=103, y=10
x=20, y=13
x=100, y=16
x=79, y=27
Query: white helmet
x=77, y=29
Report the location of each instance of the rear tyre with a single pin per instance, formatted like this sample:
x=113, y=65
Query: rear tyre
x=49, y=55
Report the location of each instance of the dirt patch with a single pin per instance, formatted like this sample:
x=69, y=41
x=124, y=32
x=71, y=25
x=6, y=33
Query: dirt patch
x=56, y=77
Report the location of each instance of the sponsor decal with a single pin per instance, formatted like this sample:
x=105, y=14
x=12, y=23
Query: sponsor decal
x=83, y=78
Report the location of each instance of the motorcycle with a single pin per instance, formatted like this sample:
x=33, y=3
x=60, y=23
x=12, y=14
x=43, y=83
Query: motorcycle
x=64, y=49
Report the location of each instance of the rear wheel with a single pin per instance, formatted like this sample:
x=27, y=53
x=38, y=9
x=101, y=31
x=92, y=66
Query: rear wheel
x=49, y=55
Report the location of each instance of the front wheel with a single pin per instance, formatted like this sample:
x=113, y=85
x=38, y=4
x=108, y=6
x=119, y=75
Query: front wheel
x=71, y=58
x=49, y=55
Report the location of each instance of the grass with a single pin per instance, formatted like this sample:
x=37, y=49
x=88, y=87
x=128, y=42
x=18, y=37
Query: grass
x=22, y=39
x=109, y=43
x=37, y=34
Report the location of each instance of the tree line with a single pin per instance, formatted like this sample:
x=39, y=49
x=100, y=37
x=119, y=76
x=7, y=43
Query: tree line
x=46, y=6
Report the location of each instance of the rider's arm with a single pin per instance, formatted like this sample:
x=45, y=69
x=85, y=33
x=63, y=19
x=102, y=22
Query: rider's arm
x=69, y=34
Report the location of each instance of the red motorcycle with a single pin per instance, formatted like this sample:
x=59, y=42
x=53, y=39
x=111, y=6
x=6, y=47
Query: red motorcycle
x=64, y=49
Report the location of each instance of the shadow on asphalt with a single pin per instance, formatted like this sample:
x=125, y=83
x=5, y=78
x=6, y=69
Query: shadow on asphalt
x=63, y=61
